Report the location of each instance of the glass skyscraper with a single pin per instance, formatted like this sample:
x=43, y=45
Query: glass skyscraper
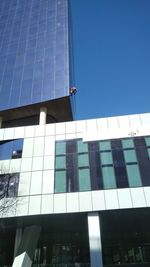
x=34, y=53
x=72, y=193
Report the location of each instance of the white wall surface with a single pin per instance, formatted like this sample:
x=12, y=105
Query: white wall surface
x=36, y=167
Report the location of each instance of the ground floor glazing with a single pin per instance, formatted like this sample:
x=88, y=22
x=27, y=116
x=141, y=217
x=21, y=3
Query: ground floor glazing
x=67, y=241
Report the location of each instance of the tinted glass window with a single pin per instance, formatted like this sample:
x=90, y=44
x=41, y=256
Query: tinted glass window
x=11, y=149
x=96, y=165
x=108, y=177
x=33, y=34
x=134, y=175
x=84, y=180
x=9, y=185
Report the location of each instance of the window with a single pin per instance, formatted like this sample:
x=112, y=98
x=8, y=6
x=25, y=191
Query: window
x=104, y=145
x=147, y=140
x=106, y=158
x=128, y=143
x=108, y=177
x=60, y=148
x=83, y=160
x=60, y=162
x=101, y=165
x=82, y=147
x=84, y=180
x=9, y=185
x=60, y=181
x=130, y=156
x=11, y=149
x=133, y=175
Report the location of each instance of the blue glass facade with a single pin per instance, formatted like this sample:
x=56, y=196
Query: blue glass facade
x=34, y=61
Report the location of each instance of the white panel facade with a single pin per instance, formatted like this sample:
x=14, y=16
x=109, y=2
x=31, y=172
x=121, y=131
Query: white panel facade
x=28, y=147
x=34, y=205
x=48, y=182
x=36, y=183
x=47, y=204
x=111, y=199
x=73, y=202
x=85, y=201
x=26, y=164
x=38, y=146
x=37, y=166
x=60, y=203
x=147, y=195
x=98, y=200
x=124, y=197
x=138, y=197
x=29, y=131
x=24, y=184
x=9, y=133
x=19, y=132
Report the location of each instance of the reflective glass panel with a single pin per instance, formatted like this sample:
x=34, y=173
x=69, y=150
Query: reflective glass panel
x=60, y=148
x=128, y=143
x=104, y=145
x=147, y=140
x=84, y=180
x=82, y=147
x=83, y=160
x=130, y=156
x=134, y=175
x=60, y=181
x=106, y=158
x=60, y=162
x=108, y=177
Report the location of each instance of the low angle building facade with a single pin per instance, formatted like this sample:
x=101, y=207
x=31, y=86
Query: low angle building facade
x=72, y=193
x=83, y=192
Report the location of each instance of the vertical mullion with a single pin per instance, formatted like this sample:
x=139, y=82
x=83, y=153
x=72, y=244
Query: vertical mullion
x=143, y=160
x=71, y=166
x=119, y=164
x=95, y=166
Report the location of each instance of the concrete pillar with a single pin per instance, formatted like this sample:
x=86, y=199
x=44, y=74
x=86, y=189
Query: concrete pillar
x=95, y=240
x=27, y=246
x=1, y=122
x=43, y=115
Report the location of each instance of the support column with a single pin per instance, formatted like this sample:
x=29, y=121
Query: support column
x=43, y=115
x=1, y=122
x=95, y=240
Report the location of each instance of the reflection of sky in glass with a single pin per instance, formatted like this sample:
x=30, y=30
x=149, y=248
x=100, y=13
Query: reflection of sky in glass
x=11, y=148
x=33, y=51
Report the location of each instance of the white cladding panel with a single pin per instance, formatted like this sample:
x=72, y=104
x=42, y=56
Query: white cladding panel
x=36, y=187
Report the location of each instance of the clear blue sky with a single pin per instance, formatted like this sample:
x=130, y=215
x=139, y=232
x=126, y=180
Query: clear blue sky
x=111, y=56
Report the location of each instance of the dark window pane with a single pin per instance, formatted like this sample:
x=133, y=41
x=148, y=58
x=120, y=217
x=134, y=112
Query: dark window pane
x=6, y=150
x=9, y=185
x=93, y=146
x=120, y=169
x=11, y=149
x=17, y=148
x=116, y=144
x=143, y=160
x=71, y=146
x=95, y=170
x=60, y=181
x=72, y=172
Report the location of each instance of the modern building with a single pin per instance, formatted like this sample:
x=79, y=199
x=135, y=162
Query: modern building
x=83, y=192
x=34, y=61
x=72, y=193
